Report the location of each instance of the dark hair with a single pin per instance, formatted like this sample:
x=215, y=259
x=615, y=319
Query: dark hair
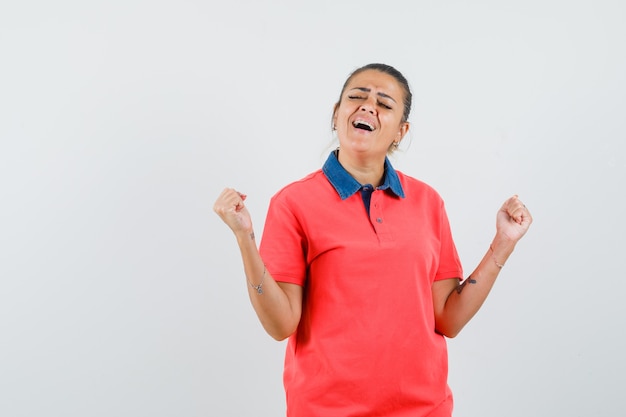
x=387, y=69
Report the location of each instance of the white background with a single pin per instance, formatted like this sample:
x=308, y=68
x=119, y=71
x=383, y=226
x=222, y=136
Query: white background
x=122, y=293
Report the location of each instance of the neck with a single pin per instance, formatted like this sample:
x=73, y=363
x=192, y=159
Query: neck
x=364, y=171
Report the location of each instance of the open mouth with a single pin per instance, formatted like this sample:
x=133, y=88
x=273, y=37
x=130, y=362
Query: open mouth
x=361, y=124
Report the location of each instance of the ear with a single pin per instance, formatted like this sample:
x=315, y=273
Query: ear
x=335, y=108
x=404, y=128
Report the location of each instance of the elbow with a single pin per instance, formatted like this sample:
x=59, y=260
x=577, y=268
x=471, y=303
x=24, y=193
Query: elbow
x=280, y=334
x=280, y=325
x=279, y=337
x=449, y=330
x=448, y=333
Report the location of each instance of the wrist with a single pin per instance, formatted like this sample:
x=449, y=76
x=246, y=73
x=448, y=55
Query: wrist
x=245, y=236
x=501, y=248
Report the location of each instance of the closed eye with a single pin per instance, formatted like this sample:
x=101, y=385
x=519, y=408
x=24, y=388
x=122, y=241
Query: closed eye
x=380, y=103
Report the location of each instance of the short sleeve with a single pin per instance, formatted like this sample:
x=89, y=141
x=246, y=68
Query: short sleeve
x=283, y=244
x=449, y=262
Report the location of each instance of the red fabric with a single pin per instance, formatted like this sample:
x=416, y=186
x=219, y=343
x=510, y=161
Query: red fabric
x=366, y=344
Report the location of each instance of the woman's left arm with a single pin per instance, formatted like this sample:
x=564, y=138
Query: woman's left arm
x=456, y=303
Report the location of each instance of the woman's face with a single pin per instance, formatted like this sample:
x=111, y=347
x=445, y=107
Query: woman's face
x=368, y=119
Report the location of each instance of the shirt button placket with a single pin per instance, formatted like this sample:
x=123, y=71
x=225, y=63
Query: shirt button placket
x=375, y=210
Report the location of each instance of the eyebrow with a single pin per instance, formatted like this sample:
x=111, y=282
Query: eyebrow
x=369, y=90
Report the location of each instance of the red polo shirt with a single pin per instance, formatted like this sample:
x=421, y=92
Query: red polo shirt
x=366, y=343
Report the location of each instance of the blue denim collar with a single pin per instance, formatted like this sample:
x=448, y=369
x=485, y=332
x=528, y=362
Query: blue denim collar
x=346, y=185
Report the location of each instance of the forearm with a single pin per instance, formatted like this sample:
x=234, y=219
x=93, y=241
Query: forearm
x=270, y=302
x=465, y=300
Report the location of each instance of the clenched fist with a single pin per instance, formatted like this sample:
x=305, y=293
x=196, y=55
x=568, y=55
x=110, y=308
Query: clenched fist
x=231, y=209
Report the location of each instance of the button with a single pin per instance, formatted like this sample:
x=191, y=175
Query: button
x=379, y=220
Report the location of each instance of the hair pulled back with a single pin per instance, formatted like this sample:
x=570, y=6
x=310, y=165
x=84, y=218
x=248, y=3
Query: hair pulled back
x=386, y=69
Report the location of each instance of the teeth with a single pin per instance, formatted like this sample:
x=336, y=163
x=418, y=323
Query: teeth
x=362, y=122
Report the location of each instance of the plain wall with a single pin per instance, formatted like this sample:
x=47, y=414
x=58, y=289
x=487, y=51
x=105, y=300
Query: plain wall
x=122, y=293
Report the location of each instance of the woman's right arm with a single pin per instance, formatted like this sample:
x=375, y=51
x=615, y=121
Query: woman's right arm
x=278, y=305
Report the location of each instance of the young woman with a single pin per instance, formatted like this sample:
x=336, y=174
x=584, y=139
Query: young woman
x=357, y=267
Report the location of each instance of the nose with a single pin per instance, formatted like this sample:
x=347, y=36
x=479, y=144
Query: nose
x=369, y=106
